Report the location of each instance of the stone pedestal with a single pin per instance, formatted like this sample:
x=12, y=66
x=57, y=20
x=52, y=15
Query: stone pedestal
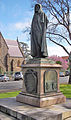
x=41, y=83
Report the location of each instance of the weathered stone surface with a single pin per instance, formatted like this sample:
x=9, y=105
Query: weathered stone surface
x=11, y=112
x=41, y=102
x=40, y=60
x=4, y=116
x=27, y=112
x=19, y=116
x=3, y=109
x=37, y=74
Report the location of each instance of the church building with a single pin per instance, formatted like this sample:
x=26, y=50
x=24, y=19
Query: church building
x=11, y=55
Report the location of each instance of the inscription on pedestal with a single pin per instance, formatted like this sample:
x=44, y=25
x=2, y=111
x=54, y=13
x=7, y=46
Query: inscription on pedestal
x=50, y=81
x=30, y=80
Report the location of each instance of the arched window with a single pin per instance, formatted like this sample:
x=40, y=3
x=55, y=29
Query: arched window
x=1, y=70
x=18, y=63
x=23, y=62
x=12, y=62
x=5, y=61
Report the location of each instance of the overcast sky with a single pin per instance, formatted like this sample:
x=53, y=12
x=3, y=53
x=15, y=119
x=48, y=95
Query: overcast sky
x=15, y=15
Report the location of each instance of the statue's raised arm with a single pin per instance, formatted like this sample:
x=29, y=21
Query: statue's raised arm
x=38, y=33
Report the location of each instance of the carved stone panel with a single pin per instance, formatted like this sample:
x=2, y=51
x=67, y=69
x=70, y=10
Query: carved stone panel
x=30, y=80
x=50, y=81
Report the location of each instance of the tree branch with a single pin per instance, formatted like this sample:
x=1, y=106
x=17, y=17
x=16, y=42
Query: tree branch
x=59, y=45
x=60, y=36
x=57, y=12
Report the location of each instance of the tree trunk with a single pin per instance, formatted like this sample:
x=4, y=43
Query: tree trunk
x=70, y=74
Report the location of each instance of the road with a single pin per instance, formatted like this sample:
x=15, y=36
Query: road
x=10, y=86
x=64, y=80
x=17, y=85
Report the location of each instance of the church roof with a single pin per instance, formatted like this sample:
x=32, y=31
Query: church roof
x=13, y=50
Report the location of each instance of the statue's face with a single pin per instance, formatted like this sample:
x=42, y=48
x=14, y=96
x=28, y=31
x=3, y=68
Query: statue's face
x=37, y=8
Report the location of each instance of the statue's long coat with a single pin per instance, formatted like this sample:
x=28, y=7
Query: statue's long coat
x=38, y=35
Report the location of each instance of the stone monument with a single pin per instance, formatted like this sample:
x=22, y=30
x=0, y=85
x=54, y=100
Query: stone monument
x=41, y=75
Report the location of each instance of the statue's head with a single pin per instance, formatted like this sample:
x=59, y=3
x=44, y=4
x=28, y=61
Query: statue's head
x=38, y=8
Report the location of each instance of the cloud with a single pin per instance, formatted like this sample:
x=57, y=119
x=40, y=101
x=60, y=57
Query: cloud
x=21, y=25
x=14, y=30
x=14, y=27
x=26, y=22
x=56, y=50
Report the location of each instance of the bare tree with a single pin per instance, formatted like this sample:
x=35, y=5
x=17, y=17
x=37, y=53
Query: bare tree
x=26, y=50
x=59, y=28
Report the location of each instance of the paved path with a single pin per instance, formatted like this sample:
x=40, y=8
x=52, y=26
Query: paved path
x=64, y=79
x=26, y=112
x=10, y=85
x=17, y=85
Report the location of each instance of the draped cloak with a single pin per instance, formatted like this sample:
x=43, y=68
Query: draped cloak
x=38, y=34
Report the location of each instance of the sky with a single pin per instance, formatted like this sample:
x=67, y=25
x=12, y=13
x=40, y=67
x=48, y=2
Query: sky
x=15, y=15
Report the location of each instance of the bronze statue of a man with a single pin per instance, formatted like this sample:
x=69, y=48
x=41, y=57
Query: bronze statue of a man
x=38, y=33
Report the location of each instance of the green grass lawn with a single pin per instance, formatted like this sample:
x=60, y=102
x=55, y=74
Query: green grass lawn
x=9, y=94
x=65, y=89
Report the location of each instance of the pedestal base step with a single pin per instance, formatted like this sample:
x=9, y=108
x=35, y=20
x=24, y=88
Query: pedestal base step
x=27, y=112
x=42, y=101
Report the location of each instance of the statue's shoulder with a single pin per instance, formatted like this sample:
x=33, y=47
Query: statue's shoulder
x=42, y=13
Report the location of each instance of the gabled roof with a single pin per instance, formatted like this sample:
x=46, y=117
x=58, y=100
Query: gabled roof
x=13, y=50
x=3, y=39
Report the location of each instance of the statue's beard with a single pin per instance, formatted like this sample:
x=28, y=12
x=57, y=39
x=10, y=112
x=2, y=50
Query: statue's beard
x=38, y=11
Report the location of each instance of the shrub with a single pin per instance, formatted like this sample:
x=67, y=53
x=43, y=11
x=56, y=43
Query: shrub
x=59, y=60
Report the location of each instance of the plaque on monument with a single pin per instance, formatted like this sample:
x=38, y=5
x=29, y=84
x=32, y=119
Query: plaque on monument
x=30, y=80
x=50, y=81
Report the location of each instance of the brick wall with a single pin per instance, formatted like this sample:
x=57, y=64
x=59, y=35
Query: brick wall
x=17, y=61
x=6, y=61
x=3, y=53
